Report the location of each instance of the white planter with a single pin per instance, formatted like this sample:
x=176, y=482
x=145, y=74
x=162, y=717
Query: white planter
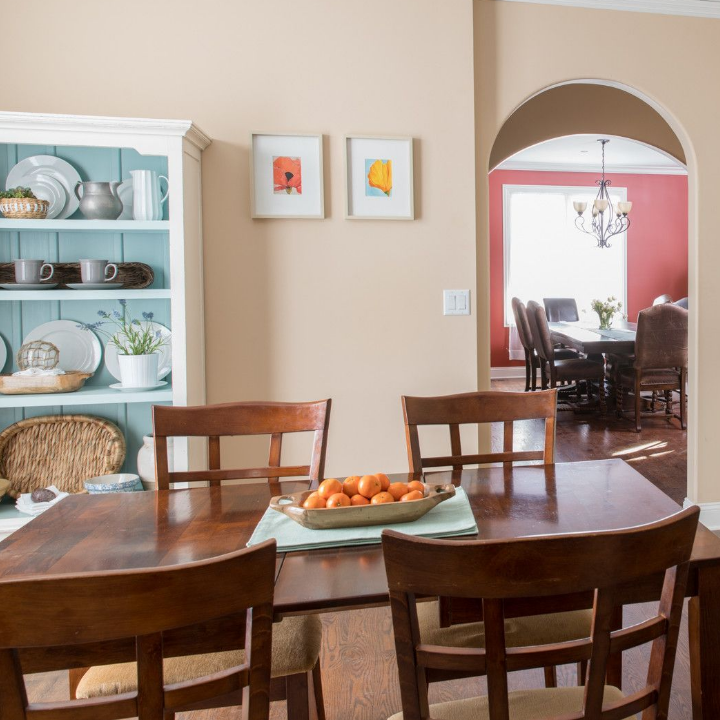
x=138, y=371
x=146, y=461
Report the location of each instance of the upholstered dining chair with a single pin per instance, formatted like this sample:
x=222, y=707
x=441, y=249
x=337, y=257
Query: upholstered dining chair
x=561, y=309
x=526, y=340
x=296, y=640
x=435, y=616
x=504, y=575
x=554, y=371
x=661, y=358
x=141, y=615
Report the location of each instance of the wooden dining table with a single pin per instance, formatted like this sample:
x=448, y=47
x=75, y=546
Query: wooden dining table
x=591, y=340
x=92, y=533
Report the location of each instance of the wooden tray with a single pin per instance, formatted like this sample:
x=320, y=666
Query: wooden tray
x=133, y=276
x=34, y=384
x=362, y=515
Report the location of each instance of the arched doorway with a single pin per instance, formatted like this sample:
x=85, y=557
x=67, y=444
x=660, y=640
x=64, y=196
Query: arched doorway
x=604, y=108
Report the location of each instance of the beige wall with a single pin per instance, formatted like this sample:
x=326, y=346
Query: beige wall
x=522, y=48
x=298, y=309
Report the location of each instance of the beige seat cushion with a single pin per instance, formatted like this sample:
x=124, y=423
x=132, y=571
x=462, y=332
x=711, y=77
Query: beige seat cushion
x=296, y=646
x=519, y=632
x=524, y=705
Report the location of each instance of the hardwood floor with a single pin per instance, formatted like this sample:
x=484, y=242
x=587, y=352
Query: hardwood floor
x=358, y=659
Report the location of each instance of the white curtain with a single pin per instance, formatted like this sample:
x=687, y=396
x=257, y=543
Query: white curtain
x=517, y=351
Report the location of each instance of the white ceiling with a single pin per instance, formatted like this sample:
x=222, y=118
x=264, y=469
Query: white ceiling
x=693, y=8
x=582, y=153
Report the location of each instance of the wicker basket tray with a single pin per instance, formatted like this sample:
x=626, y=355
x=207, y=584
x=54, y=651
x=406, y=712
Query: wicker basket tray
x=24, y=208
x=34, y=384
x=60, y=450
x=133, y=276
x=361, y=515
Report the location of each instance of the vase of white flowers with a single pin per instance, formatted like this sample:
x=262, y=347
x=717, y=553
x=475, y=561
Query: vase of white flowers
x=606, y=311
x=137, y=344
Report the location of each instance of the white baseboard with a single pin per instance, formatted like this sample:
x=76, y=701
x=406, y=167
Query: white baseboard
x=501, y=373
x=709, y=514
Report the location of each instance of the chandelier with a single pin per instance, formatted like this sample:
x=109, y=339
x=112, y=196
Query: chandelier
x=606, y=220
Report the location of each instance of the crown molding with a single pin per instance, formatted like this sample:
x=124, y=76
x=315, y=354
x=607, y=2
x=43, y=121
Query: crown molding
x=95, y=124
x=691, y=8
x=591, y=168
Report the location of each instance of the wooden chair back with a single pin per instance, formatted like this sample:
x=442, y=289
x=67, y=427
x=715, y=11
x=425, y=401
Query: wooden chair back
x=238, y=419
x=522, y=324
x=561, y=309
x=500, y=573
x=479, y=408
x=86, y=611
x=662, y=337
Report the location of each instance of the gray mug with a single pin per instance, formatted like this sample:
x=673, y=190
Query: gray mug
x=96, y=271
x=29, y=272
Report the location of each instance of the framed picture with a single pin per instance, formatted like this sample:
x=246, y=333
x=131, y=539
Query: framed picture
x=379, y=178
x=286, y=176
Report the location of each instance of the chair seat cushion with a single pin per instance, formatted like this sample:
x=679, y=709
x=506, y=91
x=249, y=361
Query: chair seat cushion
x=565, y=354
x=578, y=369
x=295, y=649
x=524, y=705
x=519, y=632
x=666, y=376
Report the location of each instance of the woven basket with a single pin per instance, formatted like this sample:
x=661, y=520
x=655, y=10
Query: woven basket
x=60, y=450
x=24, y=208
x=133, y=276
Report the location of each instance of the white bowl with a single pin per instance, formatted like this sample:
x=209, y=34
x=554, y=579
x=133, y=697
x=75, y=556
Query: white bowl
x=119, y=482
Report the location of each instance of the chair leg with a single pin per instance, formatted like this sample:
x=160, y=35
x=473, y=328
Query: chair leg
x=668, y=402
x=619, y=400
x=601, y=397
x=297, y=691
x=638, y=405
x=527, y=370
x=533, y=371
x=550, y=676
x=317, y=691
x=582, y=667
x=683, y=399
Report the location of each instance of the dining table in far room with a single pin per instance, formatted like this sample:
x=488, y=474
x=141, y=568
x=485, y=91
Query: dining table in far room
x=589, y=339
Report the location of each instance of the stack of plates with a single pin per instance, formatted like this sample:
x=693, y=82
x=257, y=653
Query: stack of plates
x=51, y=179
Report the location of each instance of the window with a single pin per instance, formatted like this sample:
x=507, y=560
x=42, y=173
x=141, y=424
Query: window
x=547, y=256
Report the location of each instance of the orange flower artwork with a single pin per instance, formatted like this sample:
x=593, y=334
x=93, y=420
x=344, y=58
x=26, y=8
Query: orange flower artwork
x=287, y=175
x=379, y=177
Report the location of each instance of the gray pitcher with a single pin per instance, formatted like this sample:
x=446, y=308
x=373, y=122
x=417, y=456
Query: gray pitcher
x=99, y=200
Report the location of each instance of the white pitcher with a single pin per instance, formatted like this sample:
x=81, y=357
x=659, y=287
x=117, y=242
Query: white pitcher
x=147, y=199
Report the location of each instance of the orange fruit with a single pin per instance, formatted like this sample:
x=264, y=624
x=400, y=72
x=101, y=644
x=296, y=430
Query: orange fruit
x=338, y=500
x=369, y=485
x=416, y=485
x=350, y=485
x=314, y=502
x=329, y=487
x=382, y=497
x=384, y=480
x=397, y=489
x=359, y=500
x=412, y=495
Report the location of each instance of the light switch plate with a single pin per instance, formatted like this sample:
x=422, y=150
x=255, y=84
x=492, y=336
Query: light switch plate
x=456, y=302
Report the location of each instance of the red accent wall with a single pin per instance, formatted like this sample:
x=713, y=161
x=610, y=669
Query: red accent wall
x=657, y=253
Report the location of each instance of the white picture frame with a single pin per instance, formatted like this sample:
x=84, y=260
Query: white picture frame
x=297, y=193
x=366, y=198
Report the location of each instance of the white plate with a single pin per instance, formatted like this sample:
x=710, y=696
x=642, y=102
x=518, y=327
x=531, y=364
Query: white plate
x=164, y=351
x=79, y=349
x=125, y=193
x=47, y=188
x=95, y=286
x=3, y=353
x=125, y=388
x=28, y=170
x=29, y=286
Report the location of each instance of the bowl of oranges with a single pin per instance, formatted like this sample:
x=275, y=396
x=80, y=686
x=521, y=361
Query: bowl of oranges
x=360, y=501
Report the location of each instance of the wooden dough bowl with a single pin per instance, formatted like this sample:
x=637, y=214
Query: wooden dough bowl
x=361, y=515
x=33, y=384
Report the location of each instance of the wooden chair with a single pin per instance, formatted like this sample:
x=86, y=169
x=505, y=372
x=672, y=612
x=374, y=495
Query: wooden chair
x=556, y=371
x=561, y=309
x=507, y=575
x=532, y=362
x=296, y=640
x=238, y=419
x=661, y=358
x=444, y=619
x=478, y=407
x=662, y=299
x=134, y=614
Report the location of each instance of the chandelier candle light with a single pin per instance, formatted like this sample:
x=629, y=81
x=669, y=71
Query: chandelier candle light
x=603, y=226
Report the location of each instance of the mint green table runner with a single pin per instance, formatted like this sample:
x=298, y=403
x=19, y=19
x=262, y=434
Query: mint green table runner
x=450, y=518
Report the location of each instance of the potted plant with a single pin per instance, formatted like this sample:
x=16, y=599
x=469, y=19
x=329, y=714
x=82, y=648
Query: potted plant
x=20, y=203
x=606, y=311
x=137, y=345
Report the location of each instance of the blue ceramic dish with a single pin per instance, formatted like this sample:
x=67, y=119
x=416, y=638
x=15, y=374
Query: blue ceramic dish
x=120, y=482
